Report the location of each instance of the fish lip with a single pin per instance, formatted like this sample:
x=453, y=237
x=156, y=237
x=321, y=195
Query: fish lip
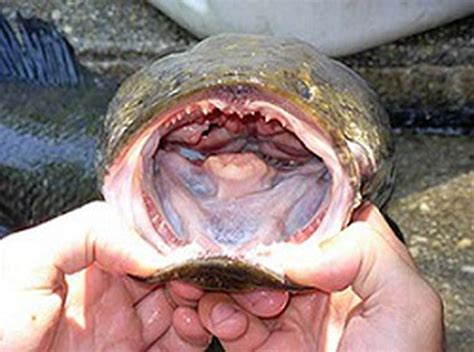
x=223, y=273
x=304, y=123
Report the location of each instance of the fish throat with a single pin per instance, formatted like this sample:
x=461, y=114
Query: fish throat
x=232, y=175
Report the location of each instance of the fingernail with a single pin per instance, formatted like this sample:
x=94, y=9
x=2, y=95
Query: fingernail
x=263, y=303
x=222, y=312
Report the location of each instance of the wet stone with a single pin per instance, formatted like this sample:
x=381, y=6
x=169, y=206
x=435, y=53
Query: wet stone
x=469, y=269
x=424, y=207
x=432, y=204
x=464, y=243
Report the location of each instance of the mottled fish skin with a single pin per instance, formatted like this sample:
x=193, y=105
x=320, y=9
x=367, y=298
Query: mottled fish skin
x=336, y=98
x=51, y=115
x=48, y=146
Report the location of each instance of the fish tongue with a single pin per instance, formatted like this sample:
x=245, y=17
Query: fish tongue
x=238, y=174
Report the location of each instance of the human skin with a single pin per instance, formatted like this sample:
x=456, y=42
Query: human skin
x=64, y=287
x=369, y=297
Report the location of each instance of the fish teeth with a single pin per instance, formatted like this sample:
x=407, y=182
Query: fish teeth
x=229, y=110
x=219, y=104
x=206, y=107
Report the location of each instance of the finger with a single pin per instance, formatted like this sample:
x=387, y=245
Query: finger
x=301, y=327
x=359, y=256
x=402, y=306
x=138, y=289
x=158, y=314
x=110, y=243
x=72, y=242
x=234, y=327
x=155, y=313
x=264, y=304
x=394, y=296
x=188, y=326
x=372, y=216
x=184, y=294
x=171, y=341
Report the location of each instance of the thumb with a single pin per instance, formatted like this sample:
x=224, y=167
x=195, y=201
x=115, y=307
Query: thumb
x=360, y=256
x=33, y=263
x=67, y=244
x=398, y=305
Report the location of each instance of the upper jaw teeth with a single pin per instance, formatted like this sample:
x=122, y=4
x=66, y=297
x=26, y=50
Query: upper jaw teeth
x=206, y=107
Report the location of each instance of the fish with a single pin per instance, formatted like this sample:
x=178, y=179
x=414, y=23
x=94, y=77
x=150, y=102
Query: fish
x=51, y=113
x=222, y=157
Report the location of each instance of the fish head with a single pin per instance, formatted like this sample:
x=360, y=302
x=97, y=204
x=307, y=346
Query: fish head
x=225, y=156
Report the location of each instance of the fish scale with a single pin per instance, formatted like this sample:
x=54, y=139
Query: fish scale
x=50, y=120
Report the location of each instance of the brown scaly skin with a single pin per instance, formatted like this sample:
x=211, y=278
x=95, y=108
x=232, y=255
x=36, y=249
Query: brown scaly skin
x=223, y=274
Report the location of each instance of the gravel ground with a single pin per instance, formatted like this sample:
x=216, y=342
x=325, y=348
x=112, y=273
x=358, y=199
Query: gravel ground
x=434, y=205
x=433, y=202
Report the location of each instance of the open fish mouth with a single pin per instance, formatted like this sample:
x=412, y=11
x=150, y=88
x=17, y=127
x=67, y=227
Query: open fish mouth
x=228, y=177
x=227, y=156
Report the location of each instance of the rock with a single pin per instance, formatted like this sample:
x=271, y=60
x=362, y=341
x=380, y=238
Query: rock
x=464, y=243
x=469, y=269
x=418, y=239
x=55, y=15
x=414, y=251
x=424, y=207
x=436, y=244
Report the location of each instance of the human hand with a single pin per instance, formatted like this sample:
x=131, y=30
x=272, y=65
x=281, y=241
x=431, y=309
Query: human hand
x=64, y=287
x=369, y=297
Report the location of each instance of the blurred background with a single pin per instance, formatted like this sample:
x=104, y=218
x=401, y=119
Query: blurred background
x=426, y=83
